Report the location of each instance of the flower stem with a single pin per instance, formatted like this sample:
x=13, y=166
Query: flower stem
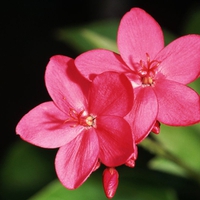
x=157, y=148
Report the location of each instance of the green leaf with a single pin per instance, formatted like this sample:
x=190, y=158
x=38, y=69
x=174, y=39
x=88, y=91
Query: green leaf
x=100, y=34
x=168, y=36
x=99, y=41
x=90, y=36
x=129, y=188
x=196, y=85
x=182, y=145
x=162, y=164
x=25, y=170
x=55, y=191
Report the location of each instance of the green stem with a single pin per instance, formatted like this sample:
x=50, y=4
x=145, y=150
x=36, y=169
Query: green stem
x=157, y=148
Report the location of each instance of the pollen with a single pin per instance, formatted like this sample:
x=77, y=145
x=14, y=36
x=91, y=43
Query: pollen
x=89, y=121
x=147, y=80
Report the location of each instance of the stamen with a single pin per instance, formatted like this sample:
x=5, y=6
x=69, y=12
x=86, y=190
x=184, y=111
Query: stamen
x=147, y=71
x=89, y=121
x=147, y=80
x=81, y=118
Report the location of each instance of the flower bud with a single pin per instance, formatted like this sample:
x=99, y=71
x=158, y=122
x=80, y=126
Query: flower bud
x=156, y=128
x=110, y=182
x=131, y=160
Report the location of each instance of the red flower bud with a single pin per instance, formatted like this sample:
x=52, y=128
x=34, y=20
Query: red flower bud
x=110, y=182
x=131, y=160
x=156, y=128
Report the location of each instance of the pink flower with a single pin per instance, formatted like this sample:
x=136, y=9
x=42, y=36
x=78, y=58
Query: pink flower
x=87, y=124
x=158, y=74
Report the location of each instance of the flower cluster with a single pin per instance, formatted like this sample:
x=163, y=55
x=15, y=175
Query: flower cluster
x=105, y=103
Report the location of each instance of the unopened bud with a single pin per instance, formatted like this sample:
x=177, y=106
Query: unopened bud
x=156, y=128
x=110, y=182
x=131, y=160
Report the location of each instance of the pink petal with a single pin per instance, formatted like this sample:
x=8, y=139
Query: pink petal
x=143, y=115
x=139, y=34
x=180, y=60
x=65, y=92
x=115, y=140
x=110, y=94
x=44, y=126
x=179, y=105
x=76, y=160
x=98, y=61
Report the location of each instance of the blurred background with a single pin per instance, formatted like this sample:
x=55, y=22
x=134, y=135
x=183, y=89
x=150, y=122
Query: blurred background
x=28, y=40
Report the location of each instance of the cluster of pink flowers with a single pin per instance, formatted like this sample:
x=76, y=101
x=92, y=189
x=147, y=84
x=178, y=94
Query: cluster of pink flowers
x=104, y=103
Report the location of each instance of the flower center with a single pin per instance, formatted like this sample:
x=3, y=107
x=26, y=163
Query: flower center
x=89, y=120
x=81, y=118
x=147, y=71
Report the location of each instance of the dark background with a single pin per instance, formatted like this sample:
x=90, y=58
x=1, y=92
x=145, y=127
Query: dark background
x=27, y=43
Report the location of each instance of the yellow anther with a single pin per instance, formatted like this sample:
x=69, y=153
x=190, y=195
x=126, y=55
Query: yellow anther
x=89, y=120
x=147, y=80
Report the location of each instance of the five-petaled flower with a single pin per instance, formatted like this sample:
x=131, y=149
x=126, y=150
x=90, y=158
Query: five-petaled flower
x=159, y=74
x=86, y=120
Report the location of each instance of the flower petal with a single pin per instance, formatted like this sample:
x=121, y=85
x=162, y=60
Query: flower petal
x=44, y=126
x=138, y=34
x=59, y=78
x=143, y=115
x=98, y=61
x=110, y=94
x=179, y=105
x=76, y=160
x=180, y=60
x=115, y=140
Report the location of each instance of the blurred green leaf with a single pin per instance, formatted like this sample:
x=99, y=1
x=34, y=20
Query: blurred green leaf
x=168, y=36
x=90, y=36
x=165, y=165
x=196, y=85
x=25, y=170
x=101, y=34
x=183, y=144
x=100, y=41
x=129, y=188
